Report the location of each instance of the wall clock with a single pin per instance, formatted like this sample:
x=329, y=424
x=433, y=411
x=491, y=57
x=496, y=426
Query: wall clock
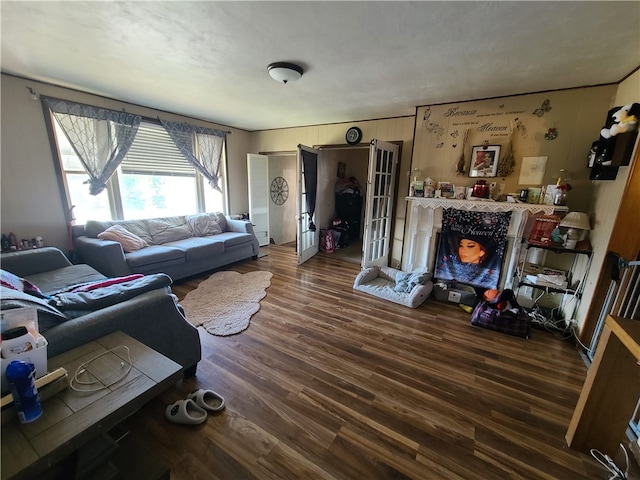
x=279, y=191
x=354, y=135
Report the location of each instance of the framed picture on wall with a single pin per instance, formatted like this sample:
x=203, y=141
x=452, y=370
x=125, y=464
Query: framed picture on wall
x=484, y=161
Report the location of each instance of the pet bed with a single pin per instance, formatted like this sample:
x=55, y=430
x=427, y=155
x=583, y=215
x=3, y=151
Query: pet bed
x=410, y=289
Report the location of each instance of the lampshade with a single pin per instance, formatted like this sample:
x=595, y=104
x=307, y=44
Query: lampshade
x=577, y=220
x=284, y=72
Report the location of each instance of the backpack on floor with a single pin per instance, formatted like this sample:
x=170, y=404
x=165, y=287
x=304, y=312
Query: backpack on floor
x=502, y=314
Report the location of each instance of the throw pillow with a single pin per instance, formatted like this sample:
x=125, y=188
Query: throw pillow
x=221, y=220
x=9, y=280
x=130, y=241
x=203, y=224
x=165, y=231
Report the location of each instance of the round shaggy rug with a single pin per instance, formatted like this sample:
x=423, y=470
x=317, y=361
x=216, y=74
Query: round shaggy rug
x=224, y=303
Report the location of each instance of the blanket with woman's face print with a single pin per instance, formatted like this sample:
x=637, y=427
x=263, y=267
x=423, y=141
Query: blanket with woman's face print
x=471, y=247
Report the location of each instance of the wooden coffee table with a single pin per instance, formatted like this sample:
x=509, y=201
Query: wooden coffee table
x=71, y=419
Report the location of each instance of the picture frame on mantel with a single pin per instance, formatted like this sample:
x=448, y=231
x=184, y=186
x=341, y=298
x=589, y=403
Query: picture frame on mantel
x=484, y=161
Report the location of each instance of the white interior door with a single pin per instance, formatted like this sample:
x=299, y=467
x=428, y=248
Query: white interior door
x=258, y=174
x=383, y=162
x=308, y=236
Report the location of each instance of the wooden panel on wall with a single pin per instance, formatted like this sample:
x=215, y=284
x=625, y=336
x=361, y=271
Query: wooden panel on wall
x=625, y=238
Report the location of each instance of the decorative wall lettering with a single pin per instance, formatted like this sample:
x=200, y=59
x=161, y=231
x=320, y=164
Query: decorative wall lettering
x=490, y=127
x=454, y=112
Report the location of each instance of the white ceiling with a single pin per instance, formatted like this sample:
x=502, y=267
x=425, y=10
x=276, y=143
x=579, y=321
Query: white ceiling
x=361, y=60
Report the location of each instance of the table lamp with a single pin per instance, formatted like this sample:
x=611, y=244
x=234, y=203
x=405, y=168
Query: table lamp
x=574, y=222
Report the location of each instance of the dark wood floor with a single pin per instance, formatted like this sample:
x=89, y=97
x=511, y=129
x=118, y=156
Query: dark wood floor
x=334, y=384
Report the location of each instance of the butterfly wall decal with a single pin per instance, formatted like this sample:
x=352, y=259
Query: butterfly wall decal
x=544, y=108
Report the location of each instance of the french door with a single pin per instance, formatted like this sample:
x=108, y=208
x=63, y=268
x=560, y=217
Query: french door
x=380, y=198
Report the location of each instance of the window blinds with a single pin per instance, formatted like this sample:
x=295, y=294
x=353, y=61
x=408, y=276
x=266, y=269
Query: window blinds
x=154, y=153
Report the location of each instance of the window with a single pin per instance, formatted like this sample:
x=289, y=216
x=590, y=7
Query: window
x=153, y=180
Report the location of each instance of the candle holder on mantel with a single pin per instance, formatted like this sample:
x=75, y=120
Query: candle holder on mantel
x=481, y=189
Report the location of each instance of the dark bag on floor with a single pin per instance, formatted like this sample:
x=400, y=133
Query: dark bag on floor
x=502, y=314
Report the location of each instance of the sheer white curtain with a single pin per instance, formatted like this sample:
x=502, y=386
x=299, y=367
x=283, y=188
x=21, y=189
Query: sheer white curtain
x=207, y=157
x=100, y=137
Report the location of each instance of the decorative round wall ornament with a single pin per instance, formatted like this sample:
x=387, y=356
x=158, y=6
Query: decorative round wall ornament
x=279, y=190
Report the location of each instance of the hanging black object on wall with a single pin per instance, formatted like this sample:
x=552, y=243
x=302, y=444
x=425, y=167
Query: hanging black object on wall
x=616, y=142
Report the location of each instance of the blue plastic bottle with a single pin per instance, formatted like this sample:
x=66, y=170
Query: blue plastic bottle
x=20, y=376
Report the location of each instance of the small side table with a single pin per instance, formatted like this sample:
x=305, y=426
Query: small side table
x=611, y=390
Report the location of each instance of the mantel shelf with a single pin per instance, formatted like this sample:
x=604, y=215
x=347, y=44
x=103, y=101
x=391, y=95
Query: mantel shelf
x=485, y=205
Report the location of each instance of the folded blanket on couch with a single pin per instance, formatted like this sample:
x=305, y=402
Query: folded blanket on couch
x=109, y=293
x=65, y=305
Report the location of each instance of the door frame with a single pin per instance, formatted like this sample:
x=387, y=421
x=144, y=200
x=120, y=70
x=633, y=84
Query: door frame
x=361, y=146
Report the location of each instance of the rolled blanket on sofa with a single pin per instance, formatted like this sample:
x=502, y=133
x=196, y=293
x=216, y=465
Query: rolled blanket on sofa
x=83, y=299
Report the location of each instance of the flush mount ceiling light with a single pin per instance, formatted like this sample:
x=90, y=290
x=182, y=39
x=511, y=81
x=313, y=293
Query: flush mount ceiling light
x=284, y=72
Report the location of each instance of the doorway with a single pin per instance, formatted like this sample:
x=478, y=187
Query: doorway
x=342, y=203
x=336, y=166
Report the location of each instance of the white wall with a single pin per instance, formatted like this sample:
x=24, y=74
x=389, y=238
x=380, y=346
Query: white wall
x=282, y=218
x=606, y=197
x=31, y=202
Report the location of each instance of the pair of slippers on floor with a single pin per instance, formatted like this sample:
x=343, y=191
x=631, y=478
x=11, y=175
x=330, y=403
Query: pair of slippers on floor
x=194, y=409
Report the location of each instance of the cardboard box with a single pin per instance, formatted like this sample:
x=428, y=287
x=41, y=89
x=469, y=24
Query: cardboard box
x=27, y=317
x=455, y=293
x=37, y=356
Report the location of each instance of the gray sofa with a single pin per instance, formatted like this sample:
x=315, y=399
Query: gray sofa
x=179, y=246
x=144, y=309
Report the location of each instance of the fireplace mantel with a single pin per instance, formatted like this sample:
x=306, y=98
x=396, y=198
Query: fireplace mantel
x=484, y=205
x=425, y=220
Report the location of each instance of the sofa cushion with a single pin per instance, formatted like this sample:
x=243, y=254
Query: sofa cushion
x=154, y=254
x=55, y=280
x=234, y=238
x=130, y=241
x=221, y=220
x=138, y=227
x=203, y=224
x=199, y=248
x=92, y=228
x=170, y=229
